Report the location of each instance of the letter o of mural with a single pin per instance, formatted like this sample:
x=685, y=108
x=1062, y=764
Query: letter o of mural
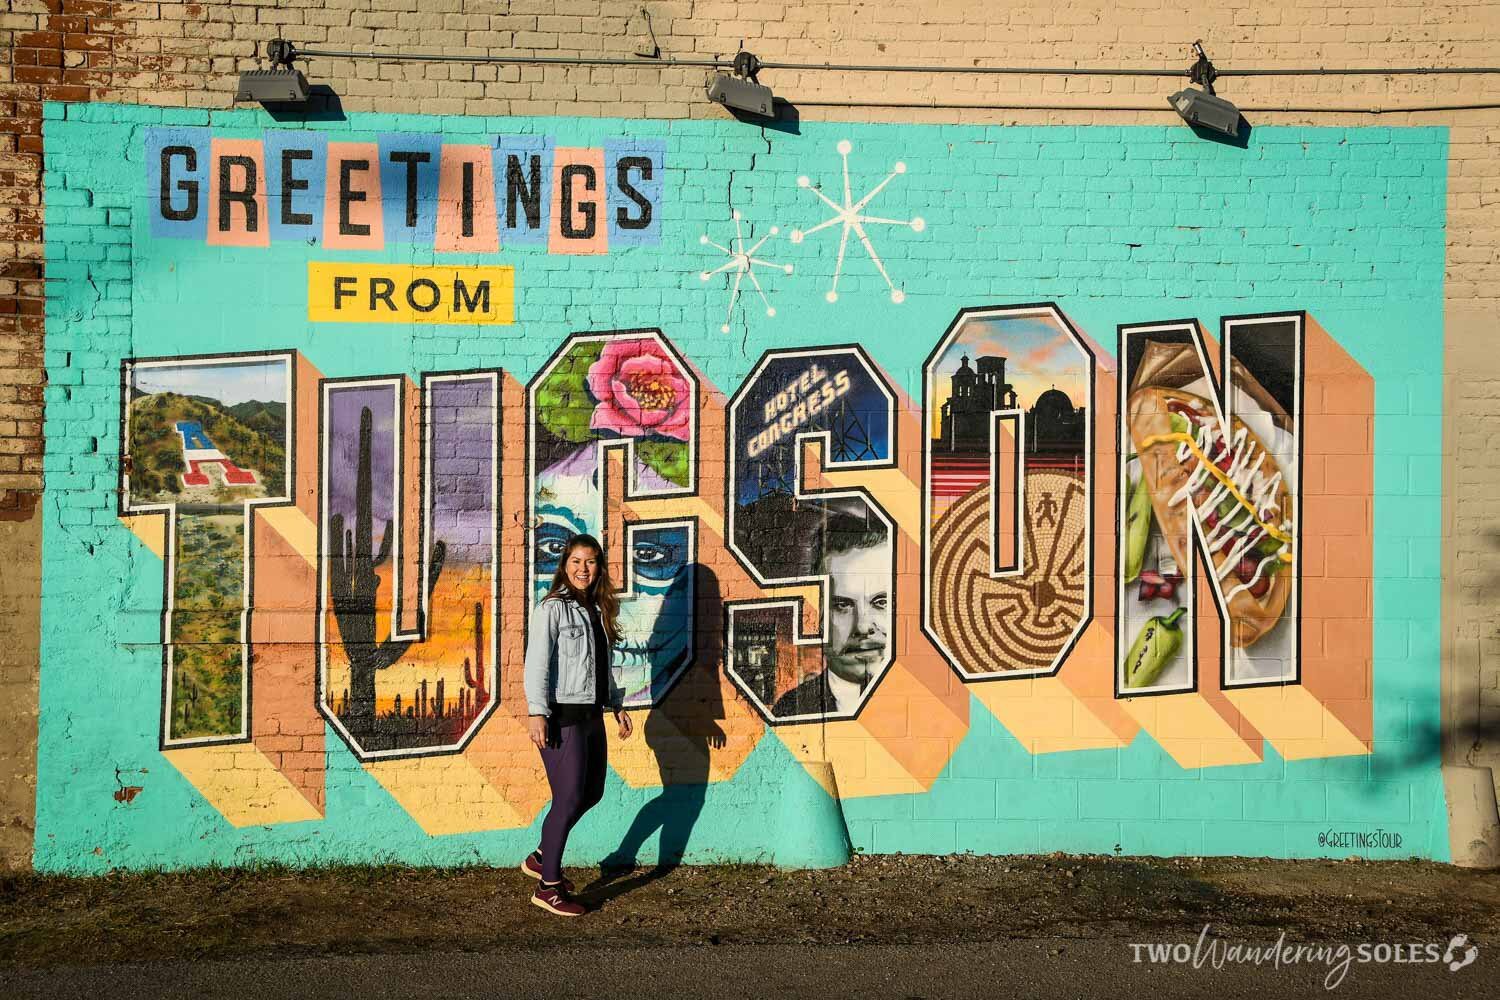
x=1007, y=558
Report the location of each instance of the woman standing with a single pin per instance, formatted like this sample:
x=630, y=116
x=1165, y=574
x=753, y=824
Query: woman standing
x=568, y=685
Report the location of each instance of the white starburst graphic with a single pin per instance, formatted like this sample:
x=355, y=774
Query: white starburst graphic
x=742, y=264
x=851, y=216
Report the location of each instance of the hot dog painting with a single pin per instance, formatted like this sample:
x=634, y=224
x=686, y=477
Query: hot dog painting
x=1230, y=469
x=1238, y=491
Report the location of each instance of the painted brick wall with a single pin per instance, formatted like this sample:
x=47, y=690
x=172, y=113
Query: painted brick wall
x=185, y=55
x=53, y=52
x=925, y=763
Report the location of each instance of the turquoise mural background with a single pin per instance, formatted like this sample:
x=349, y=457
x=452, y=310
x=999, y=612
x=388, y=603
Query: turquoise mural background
x=1114, y=224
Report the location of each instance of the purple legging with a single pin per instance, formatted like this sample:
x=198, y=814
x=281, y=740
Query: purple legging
x=575, y=771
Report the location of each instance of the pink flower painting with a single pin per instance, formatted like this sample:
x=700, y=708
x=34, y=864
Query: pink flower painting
x=640, y=391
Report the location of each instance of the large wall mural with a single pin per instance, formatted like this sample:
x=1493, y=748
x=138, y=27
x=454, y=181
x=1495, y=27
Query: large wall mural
x=1013, y=552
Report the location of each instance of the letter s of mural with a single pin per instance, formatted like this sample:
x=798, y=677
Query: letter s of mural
x=839, y=540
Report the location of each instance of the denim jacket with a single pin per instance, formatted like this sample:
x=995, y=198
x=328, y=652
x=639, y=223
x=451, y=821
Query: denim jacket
x=560, y=658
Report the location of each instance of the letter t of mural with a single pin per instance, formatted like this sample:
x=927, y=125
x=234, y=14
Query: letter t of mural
x=206, y=440
x=209, y=443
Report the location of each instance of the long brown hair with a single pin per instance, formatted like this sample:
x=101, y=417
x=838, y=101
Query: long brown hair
x=601, y=591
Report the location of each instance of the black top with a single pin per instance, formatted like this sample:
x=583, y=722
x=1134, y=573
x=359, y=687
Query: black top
x=566, y=715
x=811, y=697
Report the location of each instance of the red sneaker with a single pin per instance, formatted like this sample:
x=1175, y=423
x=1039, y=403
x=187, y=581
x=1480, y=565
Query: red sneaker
x=533, y=866
x=552, y=899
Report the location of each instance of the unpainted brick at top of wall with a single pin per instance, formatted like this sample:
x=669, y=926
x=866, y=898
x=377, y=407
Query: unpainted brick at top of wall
x=1070, y=34
x=47, y=46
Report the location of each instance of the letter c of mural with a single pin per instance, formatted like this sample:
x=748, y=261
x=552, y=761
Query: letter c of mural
x=1009, y=551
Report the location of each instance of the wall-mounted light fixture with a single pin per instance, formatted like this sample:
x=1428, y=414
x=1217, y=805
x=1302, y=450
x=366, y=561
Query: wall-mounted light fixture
x=281, y=85
x=1204, y=108
x=742, y=91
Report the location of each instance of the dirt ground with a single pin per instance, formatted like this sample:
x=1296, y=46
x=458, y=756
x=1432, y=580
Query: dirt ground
x=50, y=920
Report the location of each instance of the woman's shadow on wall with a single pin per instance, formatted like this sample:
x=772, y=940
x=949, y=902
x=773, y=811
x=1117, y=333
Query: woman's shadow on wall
x=681, y=731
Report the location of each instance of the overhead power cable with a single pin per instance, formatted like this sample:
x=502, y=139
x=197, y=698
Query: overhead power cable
x=642, y=62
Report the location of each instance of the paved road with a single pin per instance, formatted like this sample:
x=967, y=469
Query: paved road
x=1048, y=969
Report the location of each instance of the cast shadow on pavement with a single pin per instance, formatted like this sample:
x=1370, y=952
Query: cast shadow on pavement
x=680, y=732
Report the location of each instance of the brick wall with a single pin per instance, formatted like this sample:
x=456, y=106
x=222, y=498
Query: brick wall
x=187, y=55
x=52, y=51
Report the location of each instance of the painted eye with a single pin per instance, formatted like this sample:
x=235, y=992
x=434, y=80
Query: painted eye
x=659, y=556
x=551, y=542
x=647, y=554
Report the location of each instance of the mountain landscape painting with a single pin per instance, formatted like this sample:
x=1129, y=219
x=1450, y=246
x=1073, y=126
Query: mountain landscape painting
x=207, y=434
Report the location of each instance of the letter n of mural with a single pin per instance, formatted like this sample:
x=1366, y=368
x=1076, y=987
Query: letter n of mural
x=1216, y=473
x=408, y=598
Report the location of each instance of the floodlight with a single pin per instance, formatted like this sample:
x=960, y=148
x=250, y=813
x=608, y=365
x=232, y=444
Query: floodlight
x=272, y=86
x=741, y=91
x=1204, y=108
x=279, y=85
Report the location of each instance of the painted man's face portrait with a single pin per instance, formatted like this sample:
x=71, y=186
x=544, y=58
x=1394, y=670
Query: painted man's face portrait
x=859, y=612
